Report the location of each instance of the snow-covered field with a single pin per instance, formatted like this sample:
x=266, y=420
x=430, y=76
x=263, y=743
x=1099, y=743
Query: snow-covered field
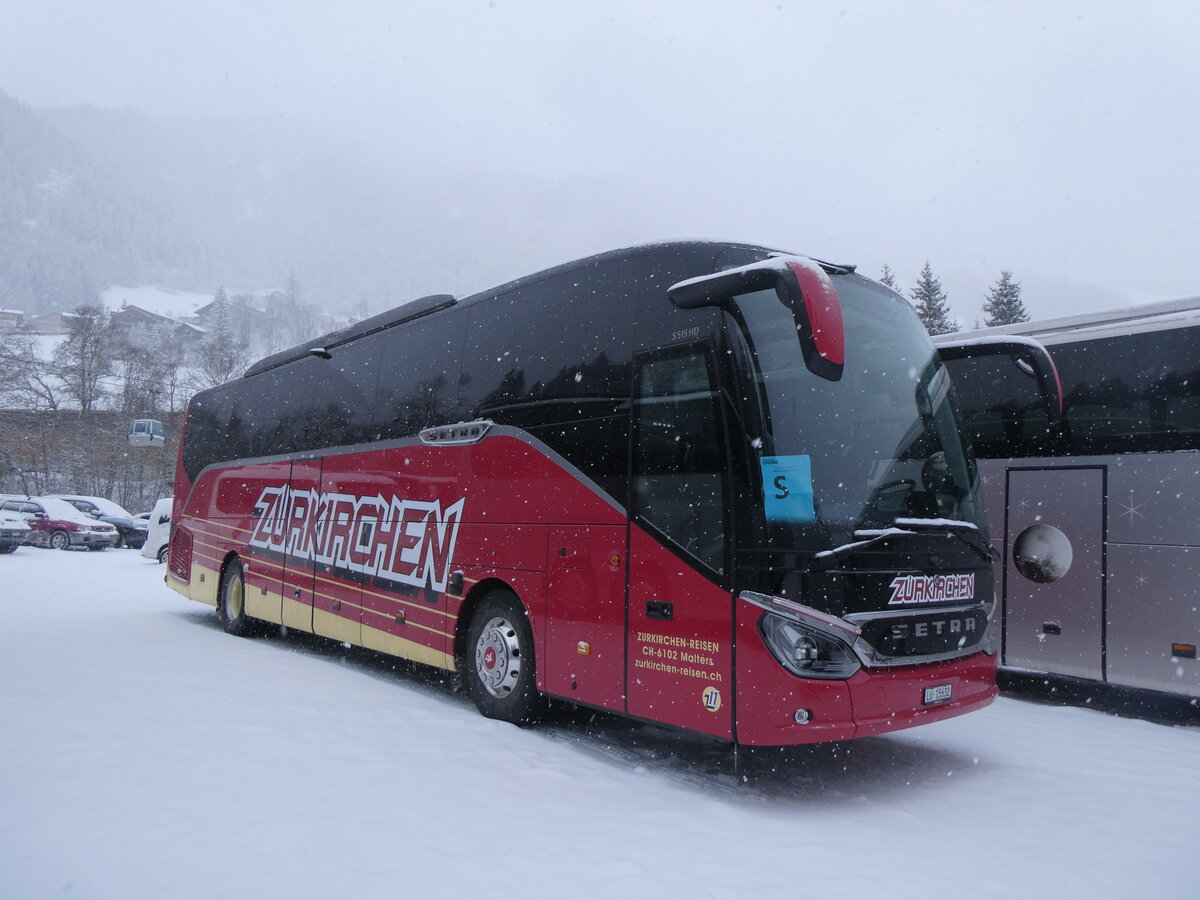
x=146, y=754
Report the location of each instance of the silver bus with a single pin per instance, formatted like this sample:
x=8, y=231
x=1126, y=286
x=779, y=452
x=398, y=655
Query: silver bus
x=1096, y=505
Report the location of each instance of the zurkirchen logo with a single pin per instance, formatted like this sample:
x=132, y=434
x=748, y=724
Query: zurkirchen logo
x=405, y=541
x=931, y=588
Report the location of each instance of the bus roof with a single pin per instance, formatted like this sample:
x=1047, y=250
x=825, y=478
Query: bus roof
x=435, y=302
x=1159, y=316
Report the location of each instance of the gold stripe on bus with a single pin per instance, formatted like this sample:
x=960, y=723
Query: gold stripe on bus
x=408, y=623
x=218, y=523
x=388, y=615
x=339, y=600
x=265, y=605
x=204, y=591
x=395, y=598
x=219, y=549
x=177, y=584
x=211, y=575
x=296, y=614
x=386, y=642
x=339, y=628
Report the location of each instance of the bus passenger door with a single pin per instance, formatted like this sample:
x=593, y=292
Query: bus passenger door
x=302, y=538
x=678, y=653
x=1053, y=621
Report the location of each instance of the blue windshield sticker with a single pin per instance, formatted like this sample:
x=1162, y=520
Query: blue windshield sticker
x=787, y=488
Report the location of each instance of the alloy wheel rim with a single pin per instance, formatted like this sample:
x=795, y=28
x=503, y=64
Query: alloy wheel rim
x=498, y=657
x=234, y=596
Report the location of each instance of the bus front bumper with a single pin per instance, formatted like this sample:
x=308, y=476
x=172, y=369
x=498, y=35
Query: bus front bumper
x=777, y=708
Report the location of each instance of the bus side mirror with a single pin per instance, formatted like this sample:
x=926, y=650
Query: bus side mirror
x=801, y=284
x=1027, y=354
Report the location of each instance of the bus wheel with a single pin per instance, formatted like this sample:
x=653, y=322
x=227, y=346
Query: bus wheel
x=231, y=601
x=499, y=665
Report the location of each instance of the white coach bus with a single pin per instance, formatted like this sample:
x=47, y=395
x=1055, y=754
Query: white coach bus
x=1101, y=504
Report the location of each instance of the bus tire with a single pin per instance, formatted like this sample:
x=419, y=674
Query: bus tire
x=231, y=601
x=499, y=668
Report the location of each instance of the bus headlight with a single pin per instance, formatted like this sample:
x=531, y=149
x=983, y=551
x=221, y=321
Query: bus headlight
x=807, y=651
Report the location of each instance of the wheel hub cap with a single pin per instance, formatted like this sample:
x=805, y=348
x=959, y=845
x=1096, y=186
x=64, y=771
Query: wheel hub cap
x=234, y=604
x=498, y=657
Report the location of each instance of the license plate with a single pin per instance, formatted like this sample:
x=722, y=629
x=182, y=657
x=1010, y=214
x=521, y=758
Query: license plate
x=937, y=694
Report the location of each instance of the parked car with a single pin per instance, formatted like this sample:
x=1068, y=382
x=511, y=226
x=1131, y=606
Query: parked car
x=56, y=523
x=13, y=531
x=131, y=531
x=160, y=531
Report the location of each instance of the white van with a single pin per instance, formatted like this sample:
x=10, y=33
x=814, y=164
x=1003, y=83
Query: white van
x=160, y=531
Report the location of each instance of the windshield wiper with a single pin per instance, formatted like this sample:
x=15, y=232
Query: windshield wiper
x=827, y=558
x=868, y=537
x=966, y=532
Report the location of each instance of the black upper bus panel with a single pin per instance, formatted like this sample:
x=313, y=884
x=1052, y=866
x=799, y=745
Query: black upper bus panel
x=405, y=313
x=723, y=255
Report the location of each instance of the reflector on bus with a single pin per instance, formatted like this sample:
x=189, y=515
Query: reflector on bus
x=802, y=285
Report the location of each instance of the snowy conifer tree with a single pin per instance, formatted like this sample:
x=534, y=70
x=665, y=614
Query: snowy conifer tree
x=930, y=302
x=888, y=277
x=1003, y=305
x=222, y=354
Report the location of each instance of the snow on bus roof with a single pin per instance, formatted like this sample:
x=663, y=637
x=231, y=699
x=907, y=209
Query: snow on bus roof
x=1123, y=320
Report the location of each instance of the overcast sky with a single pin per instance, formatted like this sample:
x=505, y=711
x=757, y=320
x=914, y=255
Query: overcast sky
x=1056, y=140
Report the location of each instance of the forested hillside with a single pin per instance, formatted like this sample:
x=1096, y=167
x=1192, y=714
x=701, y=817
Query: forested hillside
x=90, y=198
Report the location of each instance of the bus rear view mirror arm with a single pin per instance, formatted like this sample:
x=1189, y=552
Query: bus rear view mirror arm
x=802, y=285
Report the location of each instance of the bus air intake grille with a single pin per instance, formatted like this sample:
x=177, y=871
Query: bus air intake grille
x=180, y=556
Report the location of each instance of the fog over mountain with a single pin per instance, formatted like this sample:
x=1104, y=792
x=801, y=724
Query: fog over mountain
x=94, y=197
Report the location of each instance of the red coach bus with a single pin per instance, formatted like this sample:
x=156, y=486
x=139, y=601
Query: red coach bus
x=703, y=484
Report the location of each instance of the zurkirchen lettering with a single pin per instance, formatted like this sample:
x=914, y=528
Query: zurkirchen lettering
x=406, y=541
x=931, y=588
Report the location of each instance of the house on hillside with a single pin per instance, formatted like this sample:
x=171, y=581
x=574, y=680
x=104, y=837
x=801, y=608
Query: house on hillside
x=270, y=320
x=130, y=318
x=52, y=323
x=11, y=319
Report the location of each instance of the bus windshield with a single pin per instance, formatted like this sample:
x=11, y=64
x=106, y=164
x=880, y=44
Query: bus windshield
x=882, y=443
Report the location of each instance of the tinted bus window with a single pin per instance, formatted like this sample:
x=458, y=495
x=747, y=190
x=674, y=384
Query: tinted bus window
x=418, y=366
x=1003, y=412
x=1133, y=393
x=679, y=458
x=205, y=444
x=560, y=344
x=317, y=402
x=555, y=358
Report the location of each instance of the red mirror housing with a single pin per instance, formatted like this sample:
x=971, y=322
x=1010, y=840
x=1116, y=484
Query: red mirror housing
x=823, y=319
x=802, y=285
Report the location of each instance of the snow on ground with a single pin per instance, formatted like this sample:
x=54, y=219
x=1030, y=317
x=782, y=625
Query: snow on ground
x=147, y=754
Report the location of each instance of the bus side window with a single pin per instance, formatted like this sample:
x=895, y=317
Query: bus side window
x=679, y=456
